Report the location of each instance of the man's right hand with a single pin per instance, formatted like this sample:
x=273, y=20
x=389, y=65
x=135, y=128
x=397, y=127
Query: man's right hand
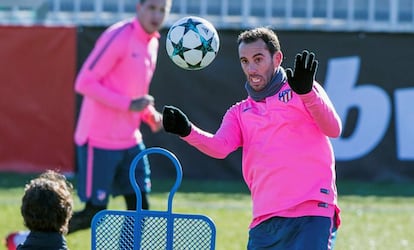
x=175, y=121
x=141, y=103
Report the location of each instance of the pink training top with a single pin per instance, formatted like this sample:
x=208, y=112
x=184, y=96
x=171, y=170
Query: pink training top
x=119, y=69
x=288, y=162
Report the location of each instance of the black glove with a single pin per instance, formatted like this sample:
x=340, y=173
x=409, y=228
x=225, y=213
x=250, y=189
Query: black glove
x=301, y=80
x=175, y=121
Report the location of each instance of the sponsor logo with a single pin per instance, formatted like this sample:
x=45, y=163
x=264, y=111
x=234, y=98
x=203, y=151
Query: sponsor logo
x=246, y=109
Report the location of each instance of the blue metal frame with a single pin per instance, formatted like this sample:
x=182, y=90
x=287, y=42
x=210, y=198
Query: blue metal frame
x=113, y=229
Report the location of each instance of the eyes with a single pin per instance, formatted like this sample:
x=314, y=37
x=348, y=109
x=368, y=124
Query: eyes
x=153, y=7
x=256, y=60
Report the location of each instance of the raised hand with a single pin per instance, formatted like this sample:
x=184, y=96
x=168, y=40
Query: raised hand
x=175, y=121
x=302, y=77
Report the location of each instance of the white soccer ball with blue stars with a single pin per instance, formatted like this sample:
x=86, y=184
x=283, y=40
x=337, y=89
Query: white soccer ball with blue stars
x=192, y=43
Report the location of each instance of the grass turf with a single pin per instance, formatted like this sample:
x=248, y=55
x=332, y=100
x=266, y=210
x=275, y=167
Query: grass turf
x=374, y=215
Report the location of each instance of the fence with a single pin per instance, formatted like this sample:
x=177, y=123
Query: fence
x=328, y=15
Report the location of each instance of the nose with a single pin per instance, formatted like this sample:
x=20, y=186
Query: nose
x=159, y=15
x=251, y=68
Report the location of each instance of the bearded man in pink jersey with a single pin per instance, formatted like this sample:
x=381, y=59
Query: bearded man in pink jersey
x=114, y=82
x=283, y=126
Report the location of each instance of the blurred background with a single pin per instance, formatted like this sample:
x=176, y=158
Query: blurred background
x=365, y=57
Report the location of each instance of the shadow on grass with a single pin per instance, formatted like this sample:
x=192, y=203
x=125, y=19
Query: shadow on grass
x=360, y=188
x=348, y=187
x=200, y=186
x=13, y=180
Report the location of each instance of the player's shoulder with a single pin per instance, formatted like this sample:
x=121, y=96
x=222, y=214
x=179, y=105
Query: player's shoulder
x=243, y=102
x=116, y=34
x=119, y=29
x=240, y=105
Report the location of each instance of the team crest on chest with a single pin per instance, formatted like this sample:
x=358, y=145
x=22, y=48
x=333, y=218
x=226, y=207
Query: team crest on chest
x=285, y=95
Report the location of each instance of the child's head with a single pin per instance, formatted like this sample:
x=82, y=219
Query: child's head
x=47, y=203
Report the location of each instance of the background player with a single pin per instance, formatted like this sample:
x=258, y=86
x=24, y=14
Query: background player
x=115, y=81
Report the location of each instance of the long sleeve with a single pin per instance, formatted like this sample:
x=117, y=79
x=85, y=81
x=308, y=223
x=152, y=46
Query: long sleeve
x=92, y=80
x=226, y=139
x=322, y=110
x=118, y=70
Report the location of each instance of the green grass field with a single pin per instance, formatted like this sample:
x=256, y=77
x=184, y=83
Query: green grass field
x=374, y=216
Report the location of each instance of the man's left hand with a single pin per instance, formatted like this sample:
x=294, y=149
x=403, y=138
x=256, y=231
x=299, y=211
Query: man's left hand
x=302, y=78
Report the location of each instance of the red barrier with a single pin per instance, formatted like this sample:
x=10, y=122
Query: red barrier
x=37, y=69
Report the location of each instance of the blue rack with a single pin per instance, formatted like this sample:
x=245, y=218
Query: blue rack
x=147, y=229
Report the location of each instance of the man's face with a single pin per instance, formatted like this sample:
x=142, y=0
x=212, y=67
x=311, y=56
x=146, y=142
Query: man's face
x=257, y=63
x=152, y=14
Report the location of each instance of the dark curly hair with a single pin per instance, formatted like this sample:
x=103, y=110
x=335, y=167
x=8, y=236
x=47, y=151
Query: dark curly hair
x=47, y=203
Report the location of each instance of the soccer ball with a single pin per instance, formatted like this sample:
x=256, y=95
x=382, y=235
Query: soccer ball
x=192, y=43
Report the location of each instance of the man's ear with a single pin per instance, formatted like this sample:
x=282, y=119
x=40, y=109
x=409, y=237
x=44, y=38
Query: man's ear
x=278, y=58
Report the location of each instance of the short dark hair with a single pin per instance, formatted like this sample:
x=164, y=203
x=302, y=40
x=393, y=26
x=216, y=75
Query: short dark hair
x=47, y=203
x=143, y=1
x=266, y=34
